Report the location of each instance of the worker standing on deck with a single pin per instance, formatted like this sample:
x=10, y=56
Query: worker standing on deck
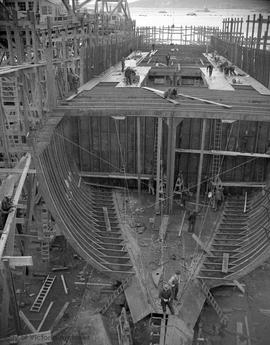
x=191, y=221
x=128, y=75
x=168, y=58
x=165, y=296
x=209, y=69
x=219, y=196
x=174, y=283
x=123, y=61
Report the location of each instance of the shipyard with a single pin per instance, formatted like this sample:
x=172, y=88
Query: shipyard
x=134, y=175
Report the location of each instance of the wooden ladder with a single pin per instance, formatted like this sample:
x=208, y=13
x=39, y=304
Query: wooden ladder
x=213, y=302
x=114, y=295
x=216, y=160
x=154, y=162
x=43, y=293
x=45, y=242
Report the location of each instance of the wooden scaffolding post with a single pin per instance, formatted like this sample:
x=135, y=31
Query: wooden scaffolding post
x=159, y=142
x=200, y=166
x=172, y=125
x=139, y=154
x=12, y=296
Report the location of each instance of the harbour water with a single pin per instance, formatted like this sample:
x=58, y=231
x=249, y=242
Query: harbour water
x=188, y=16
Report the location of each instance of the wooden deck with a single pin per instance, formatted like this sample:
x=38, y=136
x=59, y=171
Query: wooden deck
x=217, y=81
x=107, y=100
x=242, y=78
x=114, y=75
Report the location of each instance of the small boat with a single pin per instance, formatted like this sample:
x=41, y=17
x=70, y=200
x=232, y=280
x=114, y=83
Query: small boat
x=191, y=14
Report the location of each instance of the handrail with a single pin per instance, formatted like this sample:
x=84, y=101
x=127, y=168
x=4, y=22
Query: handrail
x=12, y=214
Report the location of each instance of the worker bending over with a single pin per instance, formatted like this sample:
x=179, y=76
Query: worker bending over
x=174, y=282
x=171, y=93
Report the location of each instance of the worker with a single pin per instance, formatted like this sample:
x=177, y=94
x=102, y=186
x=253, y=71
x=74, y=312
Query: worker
x=174, y=283
x=209, y=69
x=168, y=58
x=219, y=196
x=6, y=208
x=73, y=80
x=123, y=63
x=191, y=221
x=232, y=70
x=171, y=93
x=151, y=189
x=165, y=296
x=128, y=75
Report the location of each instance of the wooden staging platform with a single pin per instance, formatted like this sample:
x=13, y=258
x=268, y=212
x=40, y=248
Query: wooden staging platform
x=243, y=78
x=137, y=301
x=217, y=80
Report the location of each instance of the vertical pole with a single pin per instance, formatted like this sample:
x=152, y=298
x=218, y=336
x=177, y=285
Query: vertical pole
x=200, y=166
x=171, y=162
x=13, y=298
x=139, y=154
x=4, y=315
x=159, y=142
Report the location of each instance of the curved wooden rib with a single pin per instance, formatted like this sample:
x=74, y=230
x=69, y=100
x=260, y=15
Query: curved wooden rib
x=78, y=210
x=243, y=236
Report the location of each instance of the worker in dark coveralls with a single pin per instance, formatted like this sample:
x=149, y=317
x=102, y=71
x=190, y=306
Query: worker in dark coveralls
x=174, y=283
x=209, y=69
x=6, y=207
x=191, y=221
x=168, y=59
x=123, y=63
x=165, y=296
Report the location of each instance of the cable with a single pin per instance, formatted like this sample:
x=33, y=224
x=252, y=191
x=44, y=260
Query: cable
x=123, y=163
x=83, y=149
x=167, y=198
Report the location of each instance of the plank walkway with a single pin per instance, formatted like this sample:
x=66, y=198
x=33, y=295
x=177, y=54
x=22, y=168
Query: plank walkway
x=217, y=81
x=114, y=74
x=137, y=301
x=242, y=76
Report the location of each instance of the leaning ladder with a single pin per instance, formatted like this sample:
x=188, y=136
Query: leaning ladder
x=43, y=293
x=114, y=295
x=213, y=302
x=216, y=160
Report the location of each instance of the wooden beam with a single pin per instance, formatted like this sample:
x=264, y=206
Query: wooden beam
x=159, y=142
x=19, y=260
x=15, y=171
x=199, y=177
x=182, y=224
x=139, y=155
x=172, y=124
x=205, y=100
x=113, y=176
x=45, y=316
x=59, y=316
x=106, y=218
x=224, y=153
x=12, y=214
x=201, y=244
x=64, y=284
x=163, y=228
x=27, y=322
x=225, y=262
x=240, y=286
x=13, y=298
